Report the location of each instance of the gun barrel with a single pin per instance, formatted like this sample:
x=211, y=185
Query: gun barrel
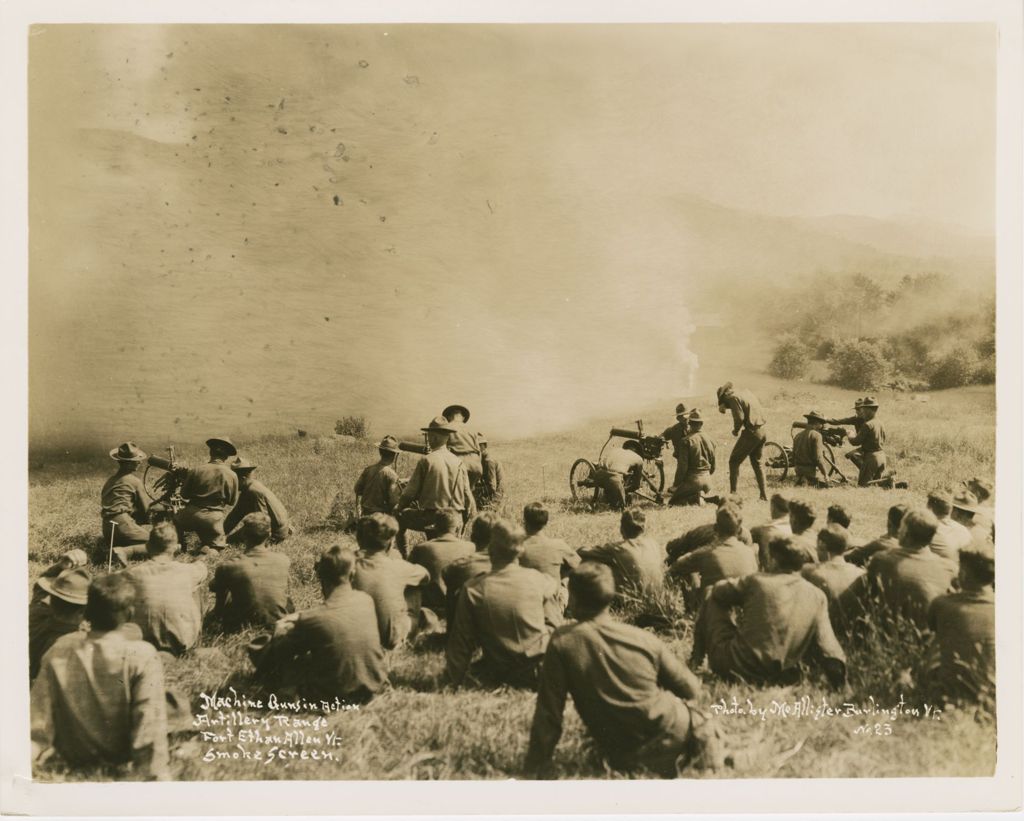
x=413, y=447
x=159, y=462
x=625, y=433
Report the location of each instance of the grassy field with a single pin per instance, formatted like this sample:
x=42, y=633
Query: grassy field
x=416, y=729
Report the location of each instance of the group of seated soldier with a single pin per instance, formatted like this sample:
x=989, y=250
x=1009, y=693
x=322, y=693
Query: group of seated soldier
x=541, y=614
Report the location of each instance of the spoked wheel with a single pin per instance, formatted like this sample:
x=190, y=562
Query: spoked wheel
x=834, y=473
x=581, y=481
x=776, y=461
x=654, y=476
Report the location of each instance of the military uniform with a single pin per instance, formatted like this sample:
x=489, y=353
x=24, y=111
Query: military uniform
x=910, y=580
x=748, y=425
x=258, y=498
x=438, y=480
x=463, y=443
x=378, y=489
x=125, y=503
x=635, y=563
x=435, y=555
x=695, y=463
x=252, y=589
x=617, y=474
x=393, y=584
x=168, y=606
x=210, y=491
x=675, y=435
x=965, y=635
x=809, y=461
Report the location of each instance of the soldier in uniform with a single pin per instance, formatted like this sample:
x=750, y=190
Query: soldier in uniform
x=256, y=497
x=809, y=452
x=869, y=436
x=748, y=425
x=491, y=489
x=439, y=480
x=619, y=474
x=210, y=491
x=675, y=435
x=125, y=505
x=463, y=443
x=378, y=487
x=695, y=463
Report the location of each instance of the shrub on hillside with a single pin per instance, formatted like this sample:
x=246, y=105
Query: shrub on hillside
x=791, y=359
x=858, y=365
x=352, y=426
x=985, y=373
x=954, y=369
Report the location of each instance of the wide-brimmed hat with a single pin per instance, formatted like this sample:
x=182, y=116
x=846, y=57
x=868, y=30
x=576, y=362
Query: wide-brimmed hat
x=451, y=410
x=127, y=452
x=694, y=417
x=389, y=443
x=724, y=391
x=868, y=402
x=438, y=425
x=814, y=416
x=965, y=500
x=680, y=409
x=857, y=402
x=222, y=440
x=242, y=465
x=72, y=585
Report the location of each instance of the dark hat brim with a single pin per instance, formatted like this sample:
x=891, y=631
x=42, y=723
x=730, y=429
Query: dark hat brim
x=438, y=429
x=813, y=417
x=456, y=409
x=47, y=585
x=138, y=457
x=225, y=442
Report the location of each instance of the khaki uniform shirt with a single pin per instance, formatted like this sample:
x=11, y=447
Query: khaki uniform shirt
x=909, y=580
x=439, y=480
x=746, y=410
x=949, y=539
x=552, y=557
x=463, y=441
x=675, y=435
x=833, y=578
x=625, y=683
x=637, y=564
x=509, y=613
x=211, y=486
x=254, y=586
x=965, y=632
x=167, y=606
x=809, y=451
x=697, y=454
x=861, y=555
x=435, y=555
x=458, y=573
x=621, y=461
x=257, y=498
x=727, y=559
x=869, y=436
x=384, y=577
x=100, y=697
x=124, y=493
x=763, y=535
x=378, y=489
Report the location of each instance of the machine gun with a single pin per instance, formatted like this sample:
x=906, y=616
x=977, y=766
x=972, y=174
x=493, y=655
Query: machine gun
x=835, y=437
x=166, y=489
x=650, y=446
x=422, y=448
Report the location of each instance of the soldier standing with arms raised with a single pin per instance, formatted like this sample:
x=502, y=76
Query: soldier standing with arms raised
x=748, y=425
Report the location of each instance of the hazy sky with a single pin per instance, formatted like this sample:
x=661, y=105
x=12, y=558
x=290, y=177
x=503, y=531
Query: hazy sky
x=243, y=226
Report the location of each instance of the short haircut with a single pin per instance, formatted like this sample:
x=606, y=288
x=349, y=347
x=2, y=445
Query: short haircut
x=110, y=601
x=896, y=514
x=940, y=502
x=834, y=538
x=535, y=516
x=256, y=527
x=979, y=563
x=163, y=537
x=592, y=586
x=375, y=532
x=837, y=514
x=920, y=525
x=786, y=555
x=480, y=530
x=779, y=504
x=728, y=519
x=632, y=522
x=334, y=565
x=802, y=514
x=448, y=520
x=506, y=541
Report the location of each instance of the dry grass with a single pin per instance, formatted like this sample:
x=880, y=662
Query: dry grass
x=414, y=731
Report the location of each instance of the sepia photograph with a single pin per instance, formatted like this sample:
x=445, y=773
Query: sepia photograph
x=561, y=401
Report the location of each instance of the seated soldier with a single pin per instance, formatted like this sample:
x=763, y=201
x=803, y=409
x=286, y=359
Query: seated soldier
x=378, y=488
x=784, y=621
x=619, y=474
x=838, y=515
x=834, y=575
x=705, y=534
x=801, y=520
x=964, y=627
x=776, y=528
x=889, y=540
x=725, y=558
x=167, y=606
x=125, y=505
x=393, y=583
x=99, y=697
x=627, y=686
x=57, y=611
x=328, y=651
x=552, y=557
x=911, y=577
x=255, y=497
x=469, y=567
x=695, y=464
x=950, y=536
x=809, y=462
x=509, y=612
x=435, y=554
x=967, y=512
x=209, y=491
x=252, y=588
x=635, y=561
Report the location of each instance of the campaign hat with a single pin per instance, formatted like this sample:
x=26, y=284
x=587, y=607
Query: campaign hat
x=438, y=425
x=680, y=409
x=72, y=585
x=724, y=391
x=242, y=465
x=451, y=410
x=127, y=452
x=814, y=416
x=694, y=417
x=389, y=443
x=868, y=402
x=965, y=500
x=222, y=440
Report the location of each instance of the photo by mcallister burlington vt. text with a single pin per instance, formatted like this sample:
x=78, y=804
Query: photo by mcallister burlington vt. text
x=490, y=401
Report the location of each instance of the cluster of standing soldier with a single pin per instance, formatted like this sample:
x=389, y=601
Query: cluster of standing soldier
x=542, y=614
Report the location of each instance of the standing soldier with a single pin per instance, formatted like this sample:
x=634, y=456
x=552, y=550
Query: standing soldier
x=809, y=452
x=748, y=424
x=438, y=480
x=491, y=489
x=675, y=436
x=124, y=504
x=463, y=443
x=869, y=436
x=209, y=491
x=378, y=488
x=695, y=463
